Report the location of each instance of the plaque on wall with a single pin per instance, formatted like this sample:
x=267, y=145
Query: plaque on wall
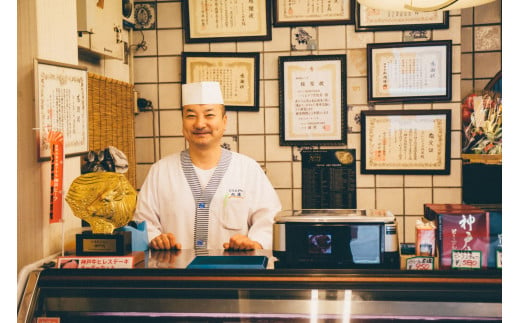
x=329, y=179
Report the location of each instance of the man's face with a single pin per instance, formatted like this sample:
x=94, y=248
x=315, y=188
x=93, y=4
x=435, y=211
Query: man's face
x=203, y=125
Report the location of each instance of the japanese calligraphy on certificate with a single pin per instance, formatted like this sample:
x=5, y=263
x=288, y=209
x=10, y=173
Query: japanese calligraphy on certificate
x=409, y=71
x=311, y=12
x=405, y=141
x=372, y=19
x=312, y=99
x=220, y=20
x=62, y=106
x=237, y=74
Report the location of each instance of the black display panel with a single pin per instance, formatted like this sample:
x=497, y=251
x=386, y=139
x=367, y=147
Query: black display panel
x=329, y=179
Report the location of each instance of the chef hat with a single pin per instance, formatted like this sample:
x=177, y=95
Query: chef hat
x=201, y=93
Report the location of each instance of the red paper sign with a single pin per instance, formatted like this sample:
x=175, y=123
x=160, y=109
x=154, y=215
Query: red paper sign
x=56, y=145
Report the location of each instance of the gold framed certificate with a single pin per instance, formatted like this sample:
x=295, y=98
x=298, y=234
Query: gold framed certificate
x=225, y=21
x=312, y=100
x=372, y=19
x=409, y=71
x=313, y=13
x=237, y=73
x=61, y=106
x=405, y=141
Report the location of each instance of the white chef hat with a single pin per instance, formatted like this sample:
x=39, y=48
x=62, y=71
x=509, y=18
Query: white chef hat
x=202, y=93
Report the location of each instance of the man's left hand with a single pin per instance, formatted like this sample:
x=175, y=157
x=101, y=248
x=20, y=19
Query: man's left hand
x=241, y=242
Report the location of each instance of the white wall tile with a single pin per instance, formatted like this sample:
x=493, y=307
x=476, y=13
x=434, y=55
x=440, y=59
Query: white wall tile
x=252, y=146
x=169, y=96
x=144, y=124
x=331, y=37
x=145, y=69
x=389, y=180
x=232, y=127
x=285, y=196
x=280, y=174
x=169, y=15
x=148, y=92
x=358, y=39
x=170, y=123
x=280, y=42
x=365, y=198
x=414, y=200
x=144, y=150
x=271, y=87
x=418, y=180
x=453, y=179
x=272, y=120
x=275, y=152
x=447, y=195
x=251, y=122
x=223, y=47
x=357, y=90
x=149, y=39
x=357, y=62
x=390, y=199
x=166, y=44
x=169, y=69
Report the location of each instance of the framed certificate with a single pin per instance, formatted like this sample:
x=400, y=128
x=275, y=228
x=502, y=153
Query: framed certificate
x=226, y=21
x=409, y=71
x=313, y=13
x=405, y=141
x=237, y=73
x=61, y=106
x=371, y=19
x=312, y=100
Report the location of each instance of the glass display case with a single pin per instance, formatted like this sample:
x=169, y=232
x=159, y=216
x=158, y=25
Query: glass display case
x=175, y=294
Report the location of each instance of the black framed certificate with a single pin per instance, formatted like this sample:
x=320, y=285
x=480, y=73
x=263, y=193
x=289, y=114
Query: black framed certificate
x=329, y=179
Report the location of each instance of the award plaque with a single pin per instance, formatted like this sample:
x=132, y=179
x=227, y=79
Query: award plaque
x=106, y=200
x=118, y=243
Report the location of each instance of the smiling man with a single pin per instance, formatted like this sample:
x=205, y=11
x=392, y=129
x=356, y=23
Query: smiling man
x=207, y=197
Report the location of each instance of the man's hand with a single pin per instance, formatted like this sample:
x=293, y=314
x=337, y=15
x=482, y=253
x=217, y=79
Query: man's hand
x=241, y=242
x=165, y=241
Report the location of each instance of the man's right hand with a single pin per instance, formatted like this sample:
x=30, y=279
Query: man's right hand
x=165, y=241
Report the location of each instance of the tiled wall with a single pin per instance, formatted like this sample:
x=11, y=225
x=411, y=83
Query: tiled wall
x=481, y=46
x=158, y=132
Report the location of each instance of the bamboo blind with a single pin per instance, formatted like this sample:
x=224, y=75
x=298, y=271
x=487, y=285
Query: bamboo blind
x=111, y=118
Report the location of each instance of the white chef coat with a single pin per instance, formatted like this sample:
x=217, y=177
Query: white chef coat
x=244, y=203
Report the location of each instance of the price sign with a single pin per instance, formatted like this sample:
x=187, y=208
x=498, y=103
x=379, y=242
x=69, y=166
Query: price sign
x=419, y=263
x=499, y=258
x=466, y=259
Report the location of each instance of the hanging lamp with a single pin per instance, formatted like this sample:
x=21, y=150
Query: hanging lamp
x=422, y=5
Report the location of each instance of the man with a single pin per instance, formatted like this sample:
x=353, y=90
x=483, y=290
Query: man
x=207, y=197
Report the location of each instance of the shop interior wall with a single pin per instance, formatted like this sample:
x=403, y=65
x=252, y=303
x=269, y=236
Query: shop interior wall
x=47, y=30
x=256, y=134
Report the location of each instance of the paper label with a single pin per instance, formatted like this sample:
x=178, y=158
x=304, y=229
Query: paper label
x=420, y=263
x=499, y=258
x=466, y=259
x=100, y=262
x=48, y=320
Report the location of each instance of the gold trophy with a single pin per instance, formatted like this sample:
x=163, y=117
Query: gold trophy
x=106, y=200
